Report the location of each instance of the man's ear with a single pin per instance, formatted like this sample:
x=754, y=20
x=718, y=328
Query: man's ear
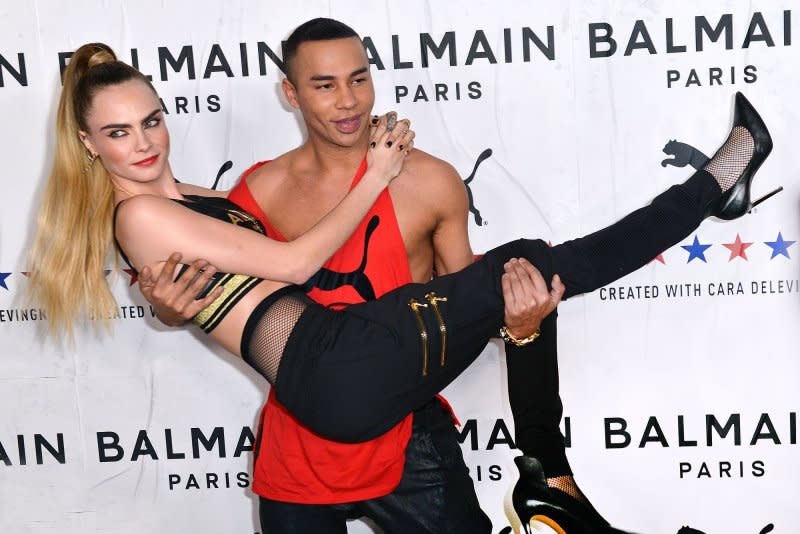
x=290, y=91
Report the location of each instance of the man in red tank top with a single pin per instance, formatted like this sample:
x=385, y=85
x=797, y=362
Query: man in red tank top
x=413, y=478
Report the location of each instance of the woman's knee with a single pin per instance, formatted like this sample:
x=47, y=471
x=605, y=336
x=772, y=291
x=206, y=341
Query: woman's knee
x=535, y=251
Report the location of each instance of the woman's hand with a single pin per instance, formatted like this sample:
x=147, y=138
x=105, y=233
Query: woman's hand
x=390, y=142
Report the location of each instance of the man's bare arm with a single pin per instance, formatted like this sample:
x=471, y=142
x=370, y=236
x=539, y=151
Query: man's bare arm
x=528, y=301
x=445, y=189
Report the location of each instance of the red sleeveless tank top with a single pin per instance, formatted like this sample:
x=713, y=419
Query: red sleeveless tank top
x=293, y=464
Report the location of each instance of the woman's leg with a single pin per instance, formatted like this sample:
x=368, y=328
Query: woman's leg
x=533, y=392
x=352, y=375
x=595, y=260
x=533, y=370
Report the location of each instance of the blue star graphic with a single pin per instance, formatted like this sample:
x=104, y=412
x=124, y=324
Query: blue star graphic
x=696, y=250
x=3, y=277
x=779, y=246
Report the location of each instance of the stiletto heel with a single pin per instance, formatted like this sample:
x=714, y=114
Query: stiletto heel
x=534, y=500
x=736, y=201
x=765, y=197
x=530, y=498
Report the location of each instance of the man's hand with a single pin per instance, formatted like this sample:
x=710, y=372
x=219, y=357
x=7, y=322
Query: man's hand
x=174, y=300
x=527, y=298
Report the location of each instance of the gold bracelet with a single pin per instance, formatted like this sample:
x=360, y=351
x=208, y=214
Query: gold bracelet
x=508, y=337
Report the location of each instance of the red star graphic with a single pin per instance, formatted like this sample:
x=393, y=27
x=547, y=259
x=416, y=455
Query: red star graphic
x=659, y=258
x=737, y=248
x=133, y=274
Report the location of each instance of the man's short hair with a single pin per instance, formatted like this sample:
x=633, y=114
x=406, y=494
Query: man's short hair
x=319, y=29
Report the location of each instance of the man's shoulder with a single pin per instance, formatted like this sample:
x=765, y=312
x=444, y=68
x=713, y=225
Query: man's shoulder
x=426, y=171
x=430, y=188
x=267, y=170
x=421, y=161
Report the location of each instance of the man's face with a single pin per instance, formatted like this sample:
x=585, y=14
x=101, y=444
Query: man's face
x=333, y=89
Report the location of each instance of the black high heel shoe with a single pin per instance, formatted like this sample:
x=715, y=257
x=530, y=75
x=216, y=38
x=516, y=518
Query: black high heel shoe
x=736, y=201
x=533, y=499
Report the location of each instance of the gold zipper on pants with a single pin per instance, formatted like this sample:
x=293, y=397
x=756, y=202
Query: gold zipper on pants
x=423, y=332
x=434, y=299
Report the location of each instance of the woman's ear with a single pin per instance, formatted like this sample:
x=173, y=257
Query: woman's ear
x=84, y=137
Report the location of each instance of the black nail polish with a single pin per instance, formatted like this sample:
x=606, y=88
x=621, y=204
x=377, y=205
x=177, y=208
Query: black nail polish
x=372, y=144
x=400, y=148
x=374, y=120
x=388, y=144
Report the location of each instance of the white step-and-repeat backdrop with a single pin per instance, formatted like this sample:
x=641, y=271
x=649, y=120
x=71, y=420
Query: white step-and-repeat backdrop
x=680, y=382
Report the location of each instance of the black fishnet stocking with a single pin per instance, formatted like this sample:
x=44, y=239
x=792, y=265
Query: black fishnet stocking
x=731, y=159
x=568, y=485
x=268, y=340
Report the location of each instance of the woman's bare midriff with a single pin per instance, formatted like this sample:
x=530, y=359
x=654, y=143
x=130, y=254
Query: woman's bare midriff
x=228, y=332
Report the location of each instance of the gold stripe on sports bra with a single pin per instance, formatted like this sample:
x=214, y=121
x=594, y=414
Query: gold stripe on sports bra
x=235, y=287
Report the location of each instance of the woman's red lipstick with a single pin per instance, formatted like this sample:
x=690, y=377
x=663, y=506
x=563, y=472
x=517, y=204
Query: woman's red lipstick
x=147, y=161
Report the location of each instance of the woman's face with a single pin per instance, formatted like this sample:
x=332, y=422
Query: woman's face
x=126, y=130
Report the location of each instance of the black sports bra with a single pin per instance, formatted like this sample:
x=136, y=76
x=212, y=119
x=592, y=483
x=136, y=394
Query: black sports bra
x=235, y=286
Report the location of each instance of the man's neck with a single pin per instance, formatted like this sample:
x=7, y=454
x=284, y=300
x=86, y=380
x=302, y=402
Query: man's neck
x=329, y=158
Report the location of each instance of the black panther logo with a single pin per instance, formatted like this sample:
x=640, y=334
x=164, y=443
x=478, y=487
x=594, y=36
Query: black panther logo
x=472, y=209
x=328, y=280
x=683, y=155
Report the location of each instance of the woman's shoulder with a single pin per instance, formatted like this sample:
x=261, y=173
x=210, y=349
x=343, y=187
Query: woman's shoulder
x=139, y=206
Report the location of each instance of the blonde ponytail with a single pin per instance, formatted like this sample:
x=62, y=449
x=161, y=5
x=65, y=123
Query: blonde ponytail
x=74, y=223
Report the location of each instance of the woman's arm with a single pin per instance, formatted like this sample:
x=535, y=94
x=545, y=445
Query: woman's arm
x=150, y=228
